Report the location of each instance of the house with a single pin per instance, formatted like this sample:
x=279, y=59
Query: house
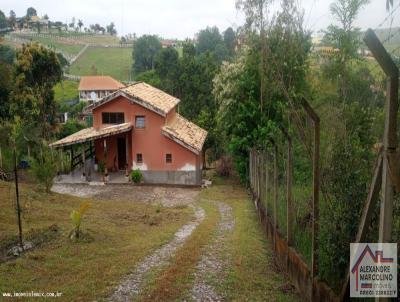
x=138, y=127
x=93, y=88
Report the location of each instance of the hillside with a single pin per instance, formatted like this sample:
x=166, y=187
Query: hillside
x=116, y=62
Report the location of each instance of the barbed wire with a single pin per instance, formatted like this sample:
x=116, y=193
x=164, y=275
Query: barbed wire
x=387, y=17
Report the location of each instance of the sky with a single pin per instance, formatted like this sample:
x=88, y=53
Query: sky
x=182, y=18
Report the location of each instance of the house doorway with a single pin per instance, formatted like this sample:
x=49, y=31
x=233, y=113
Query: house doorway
x=121, y=153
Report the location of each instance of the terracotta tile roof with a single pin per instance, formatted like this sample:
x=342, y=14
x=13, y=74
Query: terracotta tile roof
x=89, y=134
x=99, y=83
x=151, y=95
x=145, y=95
x=186, y=133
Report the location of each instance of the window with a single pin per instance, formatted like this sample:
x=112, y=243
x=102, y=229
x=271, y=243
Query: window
x=113, y=117
x=139, y=121
x=168, y=158
x=139, y=158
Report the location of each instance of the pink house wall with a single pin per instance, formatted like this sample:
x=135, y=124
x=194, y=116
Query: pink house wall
x=150, y=142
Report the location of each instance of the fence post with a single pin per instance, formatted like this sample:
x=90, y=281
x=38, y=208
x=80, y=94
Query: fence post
x=390, y=136
x=315, y=195
x=266, y=183
x=289, y=209
x=276, y=187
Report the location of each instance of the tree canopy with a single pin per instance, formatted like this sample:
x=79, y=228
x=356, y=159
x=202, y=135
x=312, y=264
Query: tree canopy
x=145, y=50
x=30, y=12
x=37, y=70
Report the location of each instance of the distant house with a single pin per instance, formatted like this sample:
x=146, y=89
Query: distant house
x=137, y=127
x=93, y=88
x=168, y=43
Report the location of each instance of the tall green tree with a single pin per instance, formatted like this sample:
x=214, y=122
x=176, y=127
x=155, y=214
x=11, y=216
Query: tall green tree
x=37, y=70
x=12, y=19
x=344, y=37
x=145, y=50
x=111, y=29
x=30, y=12
x=3, y=20
x=250, y=93
x=230, y=40
x=208, y=39
x=167, y=68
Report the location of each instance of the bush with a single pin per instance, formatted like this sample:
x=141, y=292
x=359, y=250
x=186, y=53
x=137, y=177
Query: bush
x=136, y=176
x=44, y=168
x=224, y=166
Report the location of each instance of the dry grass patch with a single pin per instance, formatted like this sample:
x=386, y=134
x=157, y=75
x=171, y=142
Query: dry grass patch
x=117, y=235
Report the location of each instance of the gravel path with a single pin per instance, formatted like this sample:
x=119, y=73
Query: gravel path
x=132, y=284
x=212, y=265
x=167, y=196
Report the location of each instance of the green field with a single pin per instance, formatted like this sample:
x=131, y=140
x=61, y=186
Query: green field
x=71, y=49
x=115, y=62
x=65, y=91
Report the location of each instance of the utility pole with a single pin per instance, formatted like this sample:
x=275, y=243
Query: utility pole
x=17, y=195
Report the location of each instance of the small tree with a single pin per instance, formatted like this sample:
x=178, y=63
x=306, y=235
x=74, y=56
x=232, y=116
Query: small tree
x=44, y=168
x=76, y=217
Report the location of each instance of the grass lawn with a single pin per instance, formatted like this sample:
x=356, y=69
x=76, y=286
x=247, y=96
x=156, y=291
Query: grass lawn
x=253, y=275
x=117, y=235
x=172, y=283
x=115, y=62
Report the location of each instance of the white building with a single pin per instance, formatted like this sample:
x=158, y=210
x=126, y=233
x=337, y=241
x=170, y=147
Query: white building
x=94, y=88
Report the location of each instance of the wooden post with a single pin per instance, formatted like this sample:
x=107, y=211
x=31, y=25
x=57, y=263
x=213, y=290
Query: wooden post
x=315, y=197
x=83, y=162
x=389, y=146
x=105, y=160
x=289, y=209
x=366, y=215
x=72, y=157
x=17, y=197
x=276, y=188
x=390, y=136
x=267, y=182
x=315, y=203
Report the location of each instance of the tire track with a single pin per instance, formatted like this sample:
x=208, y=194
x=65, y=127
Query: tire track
x=132, y=284
x=212, y=264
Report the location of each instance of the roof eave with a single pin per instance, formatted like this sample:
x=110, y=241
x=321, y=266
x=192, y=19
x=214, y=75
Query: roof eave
x=136, y=100
x=180, y=142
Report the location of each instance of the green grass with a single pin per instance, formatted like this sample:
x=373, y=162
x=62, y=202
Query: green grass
x=252, y=276
x=66, y=90
x=175, y=280
x=115, y=62
x=117, y=235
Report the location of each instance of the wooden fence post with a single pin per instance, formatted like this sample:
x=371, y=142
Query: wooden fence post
x=266, y=182
x=276, y=188
x=289, y=209
x=315, y=196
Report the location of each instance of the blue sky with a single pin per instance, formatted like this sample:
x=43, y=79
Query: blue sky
x=180, y=18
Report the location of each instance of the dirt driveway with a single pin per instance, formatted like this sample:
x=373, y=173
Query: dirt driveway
x=167, y=196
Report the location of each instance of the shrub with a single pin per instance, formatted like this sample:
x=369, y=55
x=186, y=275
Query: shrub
x=136, y=176
x=224, y=166
x=76, y=217
x=44, y=168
